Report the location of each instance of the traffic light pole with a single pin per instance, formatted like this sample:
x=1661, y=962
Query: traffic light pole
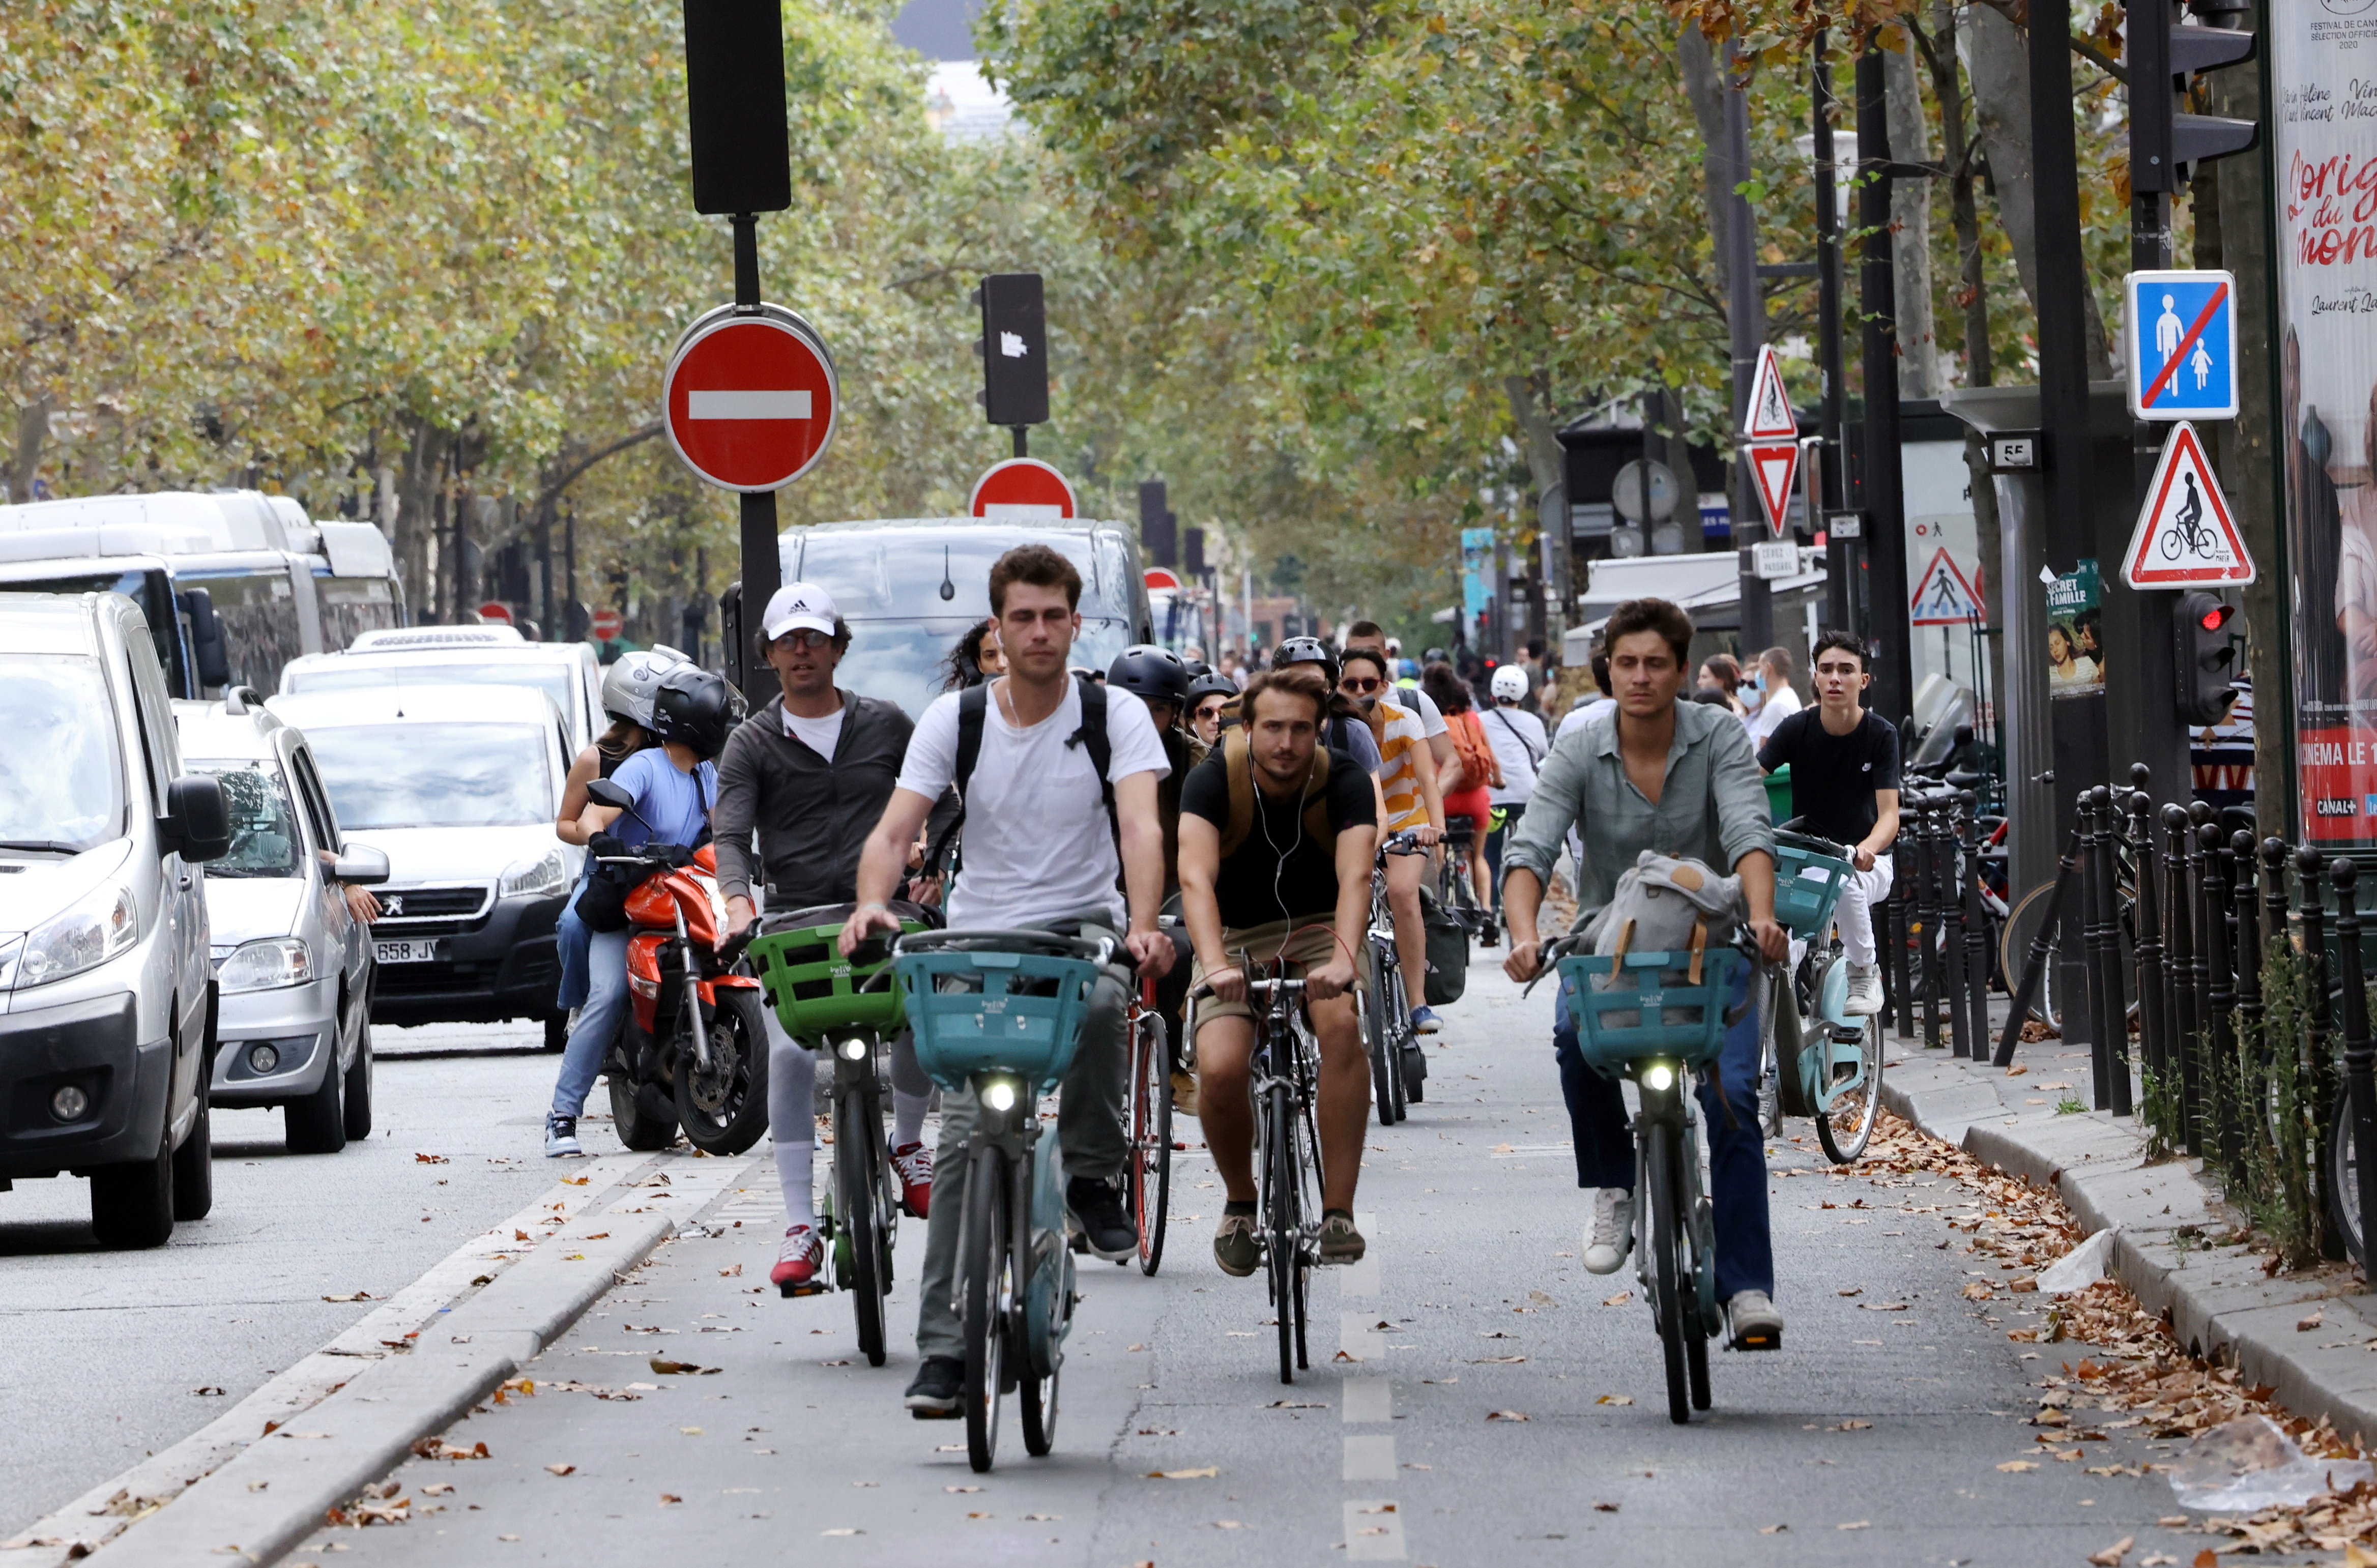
x=1884, y=491
x=762, y=557
x=1840, y=555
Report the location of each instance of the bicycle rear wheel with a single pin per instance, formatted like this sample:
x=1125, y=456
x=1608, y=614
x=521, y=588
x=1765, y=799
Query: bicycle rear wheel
x=1847, y=1127
x=1150, y=1140
x=1399, y=1010
x=856, y=1151
x=1377, y=1010
x=1283, y=1225
x=1671, y=1276
x=986, y=1293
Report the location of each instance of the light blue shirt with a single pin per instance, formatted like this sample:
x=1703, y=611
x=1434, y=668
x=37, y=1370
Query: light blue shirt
x=675, y=805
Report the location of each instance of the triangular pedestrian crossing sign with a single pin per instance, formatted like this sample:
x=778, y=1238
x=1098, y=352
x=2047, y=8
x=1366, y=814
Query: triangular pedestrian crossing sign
x=1773, y=468
x=1945, y=597
x=2186, y=536
x=1771, y=418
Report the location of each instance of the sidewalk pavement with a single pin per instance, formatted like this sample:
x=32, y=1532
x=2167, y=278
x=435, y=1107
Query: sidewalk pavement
x=2165, y=1220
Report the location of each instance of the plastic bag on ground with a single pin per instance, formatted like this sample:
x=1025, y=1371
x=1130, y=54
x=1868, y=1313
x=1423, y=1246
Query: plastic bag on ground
x=2246, y=1465
x=2080, y=1268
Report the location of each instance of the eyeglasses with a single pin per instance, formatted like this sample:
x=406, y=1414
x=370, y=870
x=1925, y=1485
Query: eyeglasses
x=1362, y=683
x=805, y=637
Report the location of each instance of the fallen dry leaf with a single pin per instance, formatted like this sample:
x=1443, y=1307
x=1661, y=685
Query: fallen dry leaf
x=1852, y=1290
x=1521, y=1415
x=431, y=1159
x=2317, y=1318
x=1615, y=1399
x=438, y=1448
x=1852, y=1425
x=843, y=1531
x=1855, y=1524
x=1604, y=1508
x=669, y=1497
x=2110, y=1557
x=563, y=1470
x=1976, y=1291
x=1772, y=1530
x=732, y=1272
x=688, y=1369
x=2015, y=1466
x=1617, y=1300
x=351, y=1296
x=961, y=1489
x=437, y=1489
x=1206, y=1474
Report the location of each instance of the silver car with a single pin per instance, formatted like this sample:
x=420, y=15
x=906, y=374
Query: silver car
x=292, y=965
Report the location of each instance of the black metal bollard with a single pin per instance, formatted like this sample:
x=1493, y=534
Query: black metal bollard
x=2219, y=1000
x=2154, y=1018
x=1976, y=929
x=2253, y=1060
x=2042, y=946
x=2110, y=1051
x=2344, y=877
x=1955, y=853
x=2319, y=1075
x=1901, y=921
x=2194, y=978
x=1928, y=910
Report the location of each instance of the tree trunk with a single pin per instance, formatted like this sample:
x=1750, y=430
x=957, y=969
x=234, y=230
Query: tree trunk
x=32, y=426
x=1997, y=61
x=1705, y=84
x=1910, y=228
x=418, y=477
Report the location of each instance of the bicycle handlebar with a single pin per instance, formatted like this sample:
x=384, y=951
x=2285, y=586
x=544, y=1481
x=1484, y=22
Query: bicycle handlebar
x=1253, y=985
x=1103, y=951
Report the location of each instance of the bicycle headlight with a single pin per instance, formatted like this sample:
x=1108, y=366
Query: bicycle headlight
x=1659, y=1076
x=999, y=1094
x=854, y=1049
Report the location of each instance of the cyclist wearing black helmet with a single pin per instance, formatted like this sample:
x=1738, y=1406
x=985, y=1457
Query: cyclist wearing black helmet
x=1344, y=730
x=675, y=785
x=1208, y=695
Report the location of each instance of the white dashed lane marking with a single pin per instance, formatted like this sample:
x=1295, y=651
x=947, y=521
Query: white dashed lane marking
x=1374, y=1527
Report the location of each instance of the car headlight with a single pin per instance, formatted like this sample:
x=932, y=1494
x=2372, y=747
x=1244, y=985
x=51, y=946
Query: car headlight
x=266, y=964
x=546, y=876
x=86, y=935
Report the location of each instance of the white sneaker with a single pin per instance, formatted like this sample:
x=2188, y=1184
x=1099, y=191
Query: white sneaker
x=1756, y=1325
x=561, y=1137
x=1611, y=1235
x=1865, y=990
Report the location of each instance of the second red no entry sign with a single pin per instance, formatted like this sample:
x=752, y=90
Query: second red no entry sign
x=752, y=401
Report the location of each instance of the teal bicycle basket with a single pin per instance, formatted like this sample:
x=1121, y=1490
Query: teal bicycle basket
x=983, y=1011
x=1652, y=1009
x=1803, y=903
x=816, y=991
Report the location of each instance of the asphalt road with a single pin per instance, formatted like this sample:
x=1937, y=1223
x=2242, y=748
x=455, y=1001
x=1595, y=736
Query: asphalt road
x=1875, y=1436
x=105, y=1354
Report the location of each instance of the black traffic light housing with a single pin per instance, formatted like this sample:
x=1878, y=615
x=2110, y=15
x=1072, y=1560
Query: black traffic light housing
x=2165, y=142
x=1014, y=349
x=1192, y=552
x=734, y=99
x=2206, y=686
x=1157, y=534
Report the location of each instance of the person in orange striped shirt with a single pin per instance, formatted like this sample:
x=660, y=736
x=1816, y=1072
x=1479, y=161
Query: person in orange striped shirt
x=1407, y=783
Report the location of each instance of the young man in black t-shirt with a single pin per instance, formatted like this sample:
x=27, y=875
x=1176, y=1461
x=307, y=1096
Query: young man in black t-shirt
x=1290, y=878
x=1845, y=788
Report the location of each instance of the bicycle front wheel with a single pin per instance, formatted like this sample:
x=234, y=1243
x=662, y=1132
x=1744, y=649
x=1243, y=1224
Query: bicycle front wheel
x=1848, y=1126
x=1671, y=1267
x=1283, y=1225
x=986, y=1293
x=1150, y=1140
x=1376, y=1011
x=857, y=1150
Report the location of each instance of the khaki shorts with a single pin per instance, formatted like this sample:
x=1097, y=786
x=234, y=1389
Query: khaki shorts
x=1314, y=943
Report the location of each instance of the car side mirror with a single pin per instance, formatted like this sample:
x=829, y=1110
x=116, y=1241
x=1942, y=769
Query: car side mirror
x=361, y=866
x=197, y=822
x=604, y=792
x=206, y=651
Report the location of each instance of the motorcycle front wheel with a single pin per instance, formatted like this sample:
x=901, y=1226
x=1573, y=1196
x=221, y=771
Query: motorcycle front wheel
x=725, y=1107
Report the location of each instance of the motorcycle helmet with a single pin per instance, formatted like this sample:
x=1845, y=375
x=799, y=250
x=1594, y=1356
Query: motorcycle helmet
x=696, y=708
x=631, y=681
x=1306, y=650
x=1510, y=681
x=1151, y=674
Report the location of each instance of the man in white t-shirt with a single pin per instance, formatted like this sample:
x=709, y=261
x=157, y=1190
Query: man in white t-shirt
x=1519, y=746
x=1041, y=850
x=1777, y=698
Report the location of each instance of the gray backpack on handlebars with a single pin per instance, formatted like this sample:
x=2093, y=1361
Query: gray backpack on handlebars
x=1663, y=904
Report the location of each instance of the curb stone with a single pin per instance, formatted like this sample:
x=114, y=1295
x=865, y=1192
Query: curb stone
x=2217, y=1300
x=265, y=1502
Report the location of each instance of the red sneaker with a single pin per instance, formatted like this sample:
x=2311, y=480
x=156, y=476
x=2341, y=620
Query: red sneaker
x=799, y=1260
x=912, y=1164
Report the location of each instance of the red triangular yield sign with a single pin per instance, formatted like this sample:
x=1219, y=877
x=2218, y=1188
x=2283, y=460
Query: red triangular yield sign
x=1771, y=418
x=2185, y=536
x=1772, y=470
x=1945, y=597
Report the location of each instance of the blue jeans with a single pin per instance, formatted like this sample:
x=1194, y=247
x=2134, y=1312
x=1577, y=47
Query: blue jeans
x=1605, y=1145
x=598, y=1017
x=570, y=939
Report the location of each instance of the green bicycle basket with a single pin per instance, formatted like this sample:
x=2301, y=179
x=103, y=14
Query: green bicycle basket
x=1687, y=1020
x=1808, y=883
x=816, y=990
x=984, y=1009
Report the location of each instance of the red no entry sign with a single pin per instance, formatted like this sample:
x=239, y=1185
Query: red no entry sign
x=608, y=622
x=1024, y=489
x=751, y=400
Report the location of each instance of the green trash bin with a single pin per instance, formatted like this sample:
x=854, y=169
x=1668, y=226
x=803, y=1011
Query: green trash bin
x=1778, y=794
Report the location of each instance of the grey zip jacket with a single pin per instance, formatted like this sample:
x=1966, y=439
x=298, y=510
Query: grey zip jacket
x=812, y=816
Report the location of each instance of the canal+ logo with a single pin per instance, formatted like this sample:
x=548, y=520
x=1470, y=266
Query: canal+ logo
x=2326, y=807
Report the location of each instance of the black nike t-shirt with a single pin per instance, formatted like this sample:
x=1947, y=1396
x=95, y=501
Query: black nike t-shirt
x=1280, y=872
x=1834, y=776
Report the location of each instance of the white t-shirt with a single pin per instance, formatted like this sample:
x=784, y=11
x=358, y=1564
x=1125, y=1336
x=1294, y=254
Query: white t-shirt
x=1779, y=705
x=1577, y=718
x=1517, y=737
x=1037, y=843
x=1431, y=721
x=820, y=736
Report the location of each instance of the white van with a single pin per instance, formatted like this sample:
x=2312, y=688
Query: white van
x=107, y=1011
x=462, y=656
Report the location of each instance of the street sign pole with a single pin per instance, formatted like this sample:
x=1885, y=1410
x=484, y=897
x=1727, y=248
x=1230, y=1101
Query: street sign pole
x=1840, y=599
x=1884, y=503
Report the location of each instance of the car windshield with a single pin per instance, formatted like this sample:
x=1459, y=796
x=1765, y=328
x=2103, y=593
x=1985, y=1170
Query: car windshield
x=61, y=782
x=264, y=837
x=907, y=661
x=899, y=571
x=551, y=677
x=434, y=776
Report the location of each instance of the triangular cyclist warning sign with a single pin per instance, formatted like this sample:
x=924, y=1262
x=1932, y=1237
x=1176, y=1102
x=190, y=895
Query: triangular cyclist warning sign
x=1772, y=470
x=1945, y=597
x=1771, y=418
x=2185, y=536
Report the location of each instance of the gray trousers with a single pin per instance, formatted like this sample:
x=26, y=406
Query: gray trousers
x=1089, y=1125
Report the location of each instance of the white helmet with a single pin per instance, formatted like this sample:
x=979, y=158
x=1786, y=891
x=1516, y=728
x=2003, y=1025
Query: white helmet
x=1510, y=684
x=633, y=680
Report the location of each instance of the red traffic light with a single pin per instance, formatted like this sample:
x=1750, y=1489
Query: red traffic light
x=2216, y=618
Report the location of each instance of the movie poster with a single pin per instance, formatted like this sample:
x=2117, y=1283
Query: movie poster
x=2323, y=148
x=2075, y=634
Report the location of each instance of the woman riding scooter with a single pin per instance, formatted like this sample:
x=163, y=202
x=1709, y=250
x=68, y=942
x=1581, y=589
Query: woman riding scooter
x=673, y=786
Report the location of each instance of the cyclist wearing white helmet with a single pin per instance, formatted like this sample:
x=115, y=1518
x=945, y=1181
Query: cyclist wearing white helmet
x=1520, y=746
x=627, y=688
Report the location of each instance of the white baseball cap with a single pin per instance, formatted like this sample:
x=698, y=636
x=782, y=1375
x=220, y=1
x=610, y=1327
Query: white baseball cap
x=799, y=607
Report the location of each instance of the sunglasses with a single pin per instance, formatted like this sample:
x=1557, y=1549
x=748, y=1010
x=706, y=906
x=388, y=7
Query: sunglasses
x=805, y=637
x=1362, y=683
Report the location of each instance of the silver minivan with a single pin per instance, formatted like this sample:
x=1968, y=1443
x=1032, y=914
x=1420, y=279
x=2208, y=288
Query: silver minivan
x=106, y=992
x=293, y=965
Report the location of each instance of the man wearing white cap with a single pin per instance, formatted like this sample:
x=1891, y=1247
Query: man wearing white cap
x=809, y=774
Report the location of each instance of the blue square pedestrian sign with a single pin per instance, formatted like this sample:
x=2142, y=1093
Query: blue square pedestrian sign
x=2179, y=333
